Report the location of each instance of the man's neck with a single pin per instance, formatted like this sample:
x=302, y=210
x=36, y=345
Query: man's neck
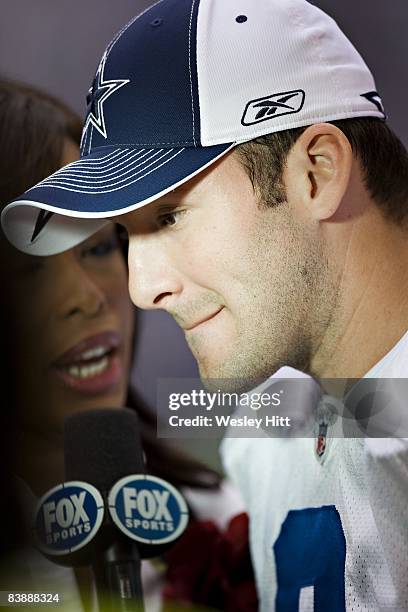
x=372, y=314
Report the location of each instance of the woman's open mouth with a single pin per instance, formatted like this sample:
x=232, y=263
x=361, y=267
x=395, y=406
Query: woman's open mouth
x=93, y=366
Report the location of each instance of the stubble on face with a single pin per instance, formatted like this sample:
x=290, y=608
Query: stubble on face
x=284, y=309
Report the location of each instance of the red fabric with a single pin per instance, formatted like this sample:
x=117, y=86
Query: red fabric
x=212, y=568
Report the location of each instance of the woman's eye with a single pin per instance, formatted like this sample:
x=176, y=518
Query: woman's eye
x=121, y=233
x=34, y=265
x=102, y=248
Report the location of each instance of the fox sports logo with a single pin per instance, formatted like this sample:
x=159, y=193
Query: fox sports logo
x=67, y=517
x=148, y=509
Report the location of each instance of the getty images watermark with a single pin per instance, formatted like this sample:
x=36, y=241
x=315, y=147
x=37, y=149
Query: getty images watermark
x=219, y=400
x=282, y=407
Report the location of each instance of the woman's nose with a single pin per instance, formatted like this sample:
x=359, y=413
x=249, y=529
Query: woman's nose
x=82, y=293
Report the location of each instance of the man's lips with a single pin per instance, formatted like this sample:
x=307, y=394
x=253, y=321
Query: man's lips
x=203, y=320
x=92, y=366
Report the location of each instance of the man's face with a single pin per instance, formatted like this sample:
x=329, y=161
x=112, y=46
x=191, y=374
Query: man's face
x=240, y=278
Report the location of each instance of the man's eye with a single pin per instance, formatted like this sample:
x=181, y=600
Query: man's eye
x=170, y=218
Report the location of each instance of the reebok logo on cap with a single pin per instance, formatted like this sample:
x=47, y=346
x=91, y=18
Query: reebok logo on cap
x=374, y=97
x=273, y=106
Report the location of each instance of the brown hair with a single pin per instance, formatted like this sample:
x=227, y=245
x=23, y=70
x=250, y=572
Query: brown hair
x=383, y=158
x=33, y=128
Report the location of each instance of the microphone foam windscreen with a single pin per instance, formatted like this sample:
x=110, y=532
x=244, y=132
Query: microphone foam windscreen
x=101, y=446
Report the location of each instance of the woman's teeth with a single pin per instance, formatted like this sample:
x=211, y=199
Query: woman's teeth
x=88, y=370
x=98, y=351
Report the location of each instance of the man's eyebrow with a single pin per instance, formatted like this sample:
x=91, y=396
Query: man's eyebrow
x=168, y=204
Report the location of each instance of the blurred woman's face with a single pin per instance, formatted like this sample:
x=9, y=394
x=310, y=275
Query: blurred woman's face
x=72, y=327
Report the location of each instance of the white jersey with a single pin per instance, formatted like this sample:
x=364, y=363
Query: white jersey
x=328, y=534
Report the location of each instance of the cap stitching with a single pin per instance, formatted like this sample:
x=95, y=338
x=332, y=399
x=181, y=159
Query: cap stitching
x=125, y=27
x=315, y=39
x=90, y=139
x=84, y=139
x=189, y=68
x=111, y=190
x=152, y=145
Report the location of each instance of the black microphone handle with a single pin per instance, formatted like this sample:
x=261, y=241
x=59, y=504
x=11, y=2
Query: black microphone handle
x=101, y=446
x=117, y=578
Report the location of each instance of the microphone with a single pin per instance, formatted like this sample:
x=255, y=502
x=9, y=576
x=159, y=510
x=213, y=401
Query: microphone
x=102, y=446
x=109, y=513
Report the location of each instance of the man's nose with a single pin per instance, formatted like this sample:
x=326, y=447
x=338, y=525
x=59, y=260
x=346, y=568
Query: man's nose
x=154, y=282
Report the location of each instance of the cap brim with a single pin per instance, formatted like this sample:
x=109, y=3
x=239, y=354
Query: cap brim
x=74, y=202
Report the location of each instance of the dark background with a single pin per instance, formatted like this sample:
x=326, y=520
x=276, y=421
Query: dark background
x=57, y=44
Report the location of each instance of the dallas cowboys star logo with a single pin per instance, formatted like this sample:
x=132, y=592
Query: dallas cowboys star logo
x=100, y=91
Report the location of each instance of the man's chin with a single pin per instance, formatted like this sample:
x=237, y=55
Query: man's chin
x=214, y=380
x=227, y=377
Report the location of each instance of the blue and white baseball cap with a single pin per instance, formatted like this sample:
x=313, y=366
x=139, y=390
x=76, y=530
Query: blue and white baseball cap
x=180, y=86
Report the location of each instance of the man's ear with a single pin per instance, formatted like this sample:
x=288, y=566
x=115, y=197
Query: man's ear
x=318, y=170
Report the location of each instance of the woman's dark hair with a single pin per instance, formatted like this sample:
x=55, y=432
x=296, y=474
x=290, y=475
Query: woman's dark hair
x=33, y=129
